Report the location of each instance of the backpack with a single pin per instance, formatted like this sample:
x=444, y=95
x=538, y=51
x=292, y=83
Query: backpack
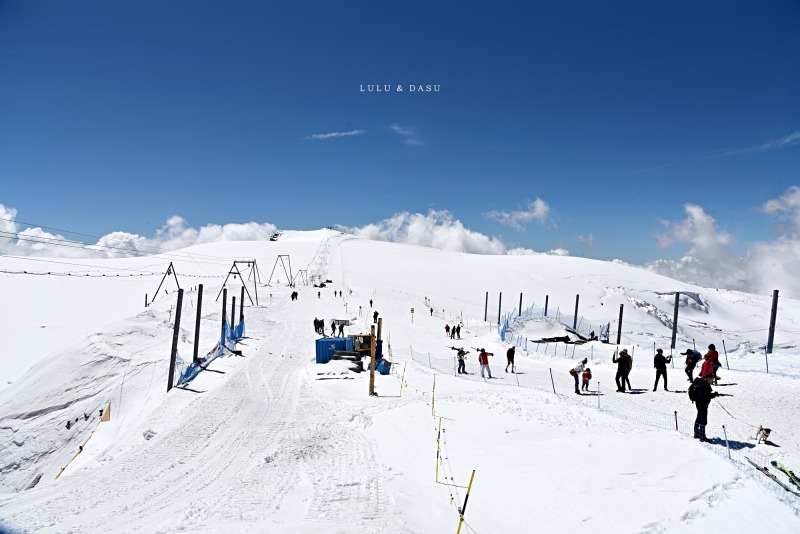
x=693, y=389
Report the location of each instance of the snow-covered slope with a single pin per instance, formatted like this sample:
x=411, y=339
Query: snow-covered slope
x=272, y=442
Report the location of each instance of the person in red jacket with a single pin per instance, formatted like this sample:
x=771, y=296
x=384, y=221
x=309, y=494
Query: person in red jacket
x=483, y=359
x=707, y=368
x=585, y=377
x=714, y=356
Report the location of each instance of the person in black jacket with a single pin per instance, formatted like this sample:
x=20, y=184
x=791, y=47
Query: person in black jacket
x=704, y=396
x=623, y=368
x=660, y=363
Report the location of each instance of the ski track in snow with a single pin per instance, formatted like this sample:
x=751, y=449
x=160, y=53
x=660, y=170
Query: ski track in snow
x=253, y=449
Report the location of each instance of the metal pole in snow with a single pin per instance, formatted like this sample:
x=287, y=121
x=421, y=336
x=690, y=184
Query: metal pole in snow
x=175, y=332
x=197, y=322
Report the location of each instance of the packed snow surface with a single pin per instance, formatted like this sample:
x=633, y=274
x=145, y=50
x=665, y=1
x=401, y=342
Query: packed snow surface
x=270, y=441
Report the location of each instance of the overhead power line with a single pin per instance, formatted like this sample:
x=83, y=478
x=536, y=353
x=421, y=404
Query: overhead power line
x=139, y=251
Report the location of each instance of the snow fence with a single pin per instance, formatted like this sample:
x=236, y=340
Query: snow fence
x=560, y=383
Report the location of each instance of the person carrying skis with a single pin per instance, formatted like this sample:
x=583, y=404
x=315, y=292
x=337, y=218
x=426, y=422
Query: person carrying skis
x=510, y=358
x=704, y=396
x=576, y=372
x=586, y=377
x=714, y=357
x=623, y=368
x=461, y=354
x=692, y=357
x=483, y=359
x=660, y=363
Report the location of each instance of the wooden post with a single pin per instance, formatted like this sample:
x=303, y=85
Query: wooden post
x=553, y=381
x=675, y=319
x=486, y=307
x=619, y=327
x=520, y=306
x=438, y=449
x=145, y=300
x=175, y=333
x=372, y=360
x=233, y=313
x=546, y=302
x=772, y=316
x=433, y=397
x=197, y=322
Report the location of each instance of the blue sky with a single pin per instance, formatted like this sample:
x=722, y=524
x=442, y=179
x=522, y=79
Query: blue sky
x=118, y=115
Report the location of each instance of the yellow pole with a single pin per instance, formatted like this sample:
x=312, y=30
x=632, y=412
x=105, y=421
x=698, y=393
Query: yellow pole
x=464, y=508
x=372, y=361
x=438, y=448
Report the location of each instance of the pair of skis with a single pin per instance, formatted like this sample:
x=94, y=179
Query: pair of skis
x=788, y=472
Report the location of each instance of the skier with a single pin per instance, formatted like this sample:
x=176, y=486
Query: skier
x=692, y=357
x=447, y=330
x=375, y=317
x=623, y=368
x=576, y=372
x=370, y=303
x=660, y=363
x=483, y=359
x=341, y=329
x=458, y=330
x=586, y=376
x=333, y=328
x=704, y=396
x=510, y=358
x=460, y=354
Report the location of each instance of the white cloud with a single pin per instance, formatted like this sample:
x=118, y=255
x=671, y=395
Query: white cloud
x=538, y=211
x=529, y=252
x=699, y=229
x=175, y=234
x=437, y=229
x=710, y=262
x=409, y=135
x=330, y=135
x=773, y=144
x=586, y=239
x=786, y=206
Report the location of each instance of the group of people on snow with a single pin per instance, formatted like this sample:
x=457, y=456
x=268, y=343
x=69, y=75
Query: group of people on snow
x=452, y=332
